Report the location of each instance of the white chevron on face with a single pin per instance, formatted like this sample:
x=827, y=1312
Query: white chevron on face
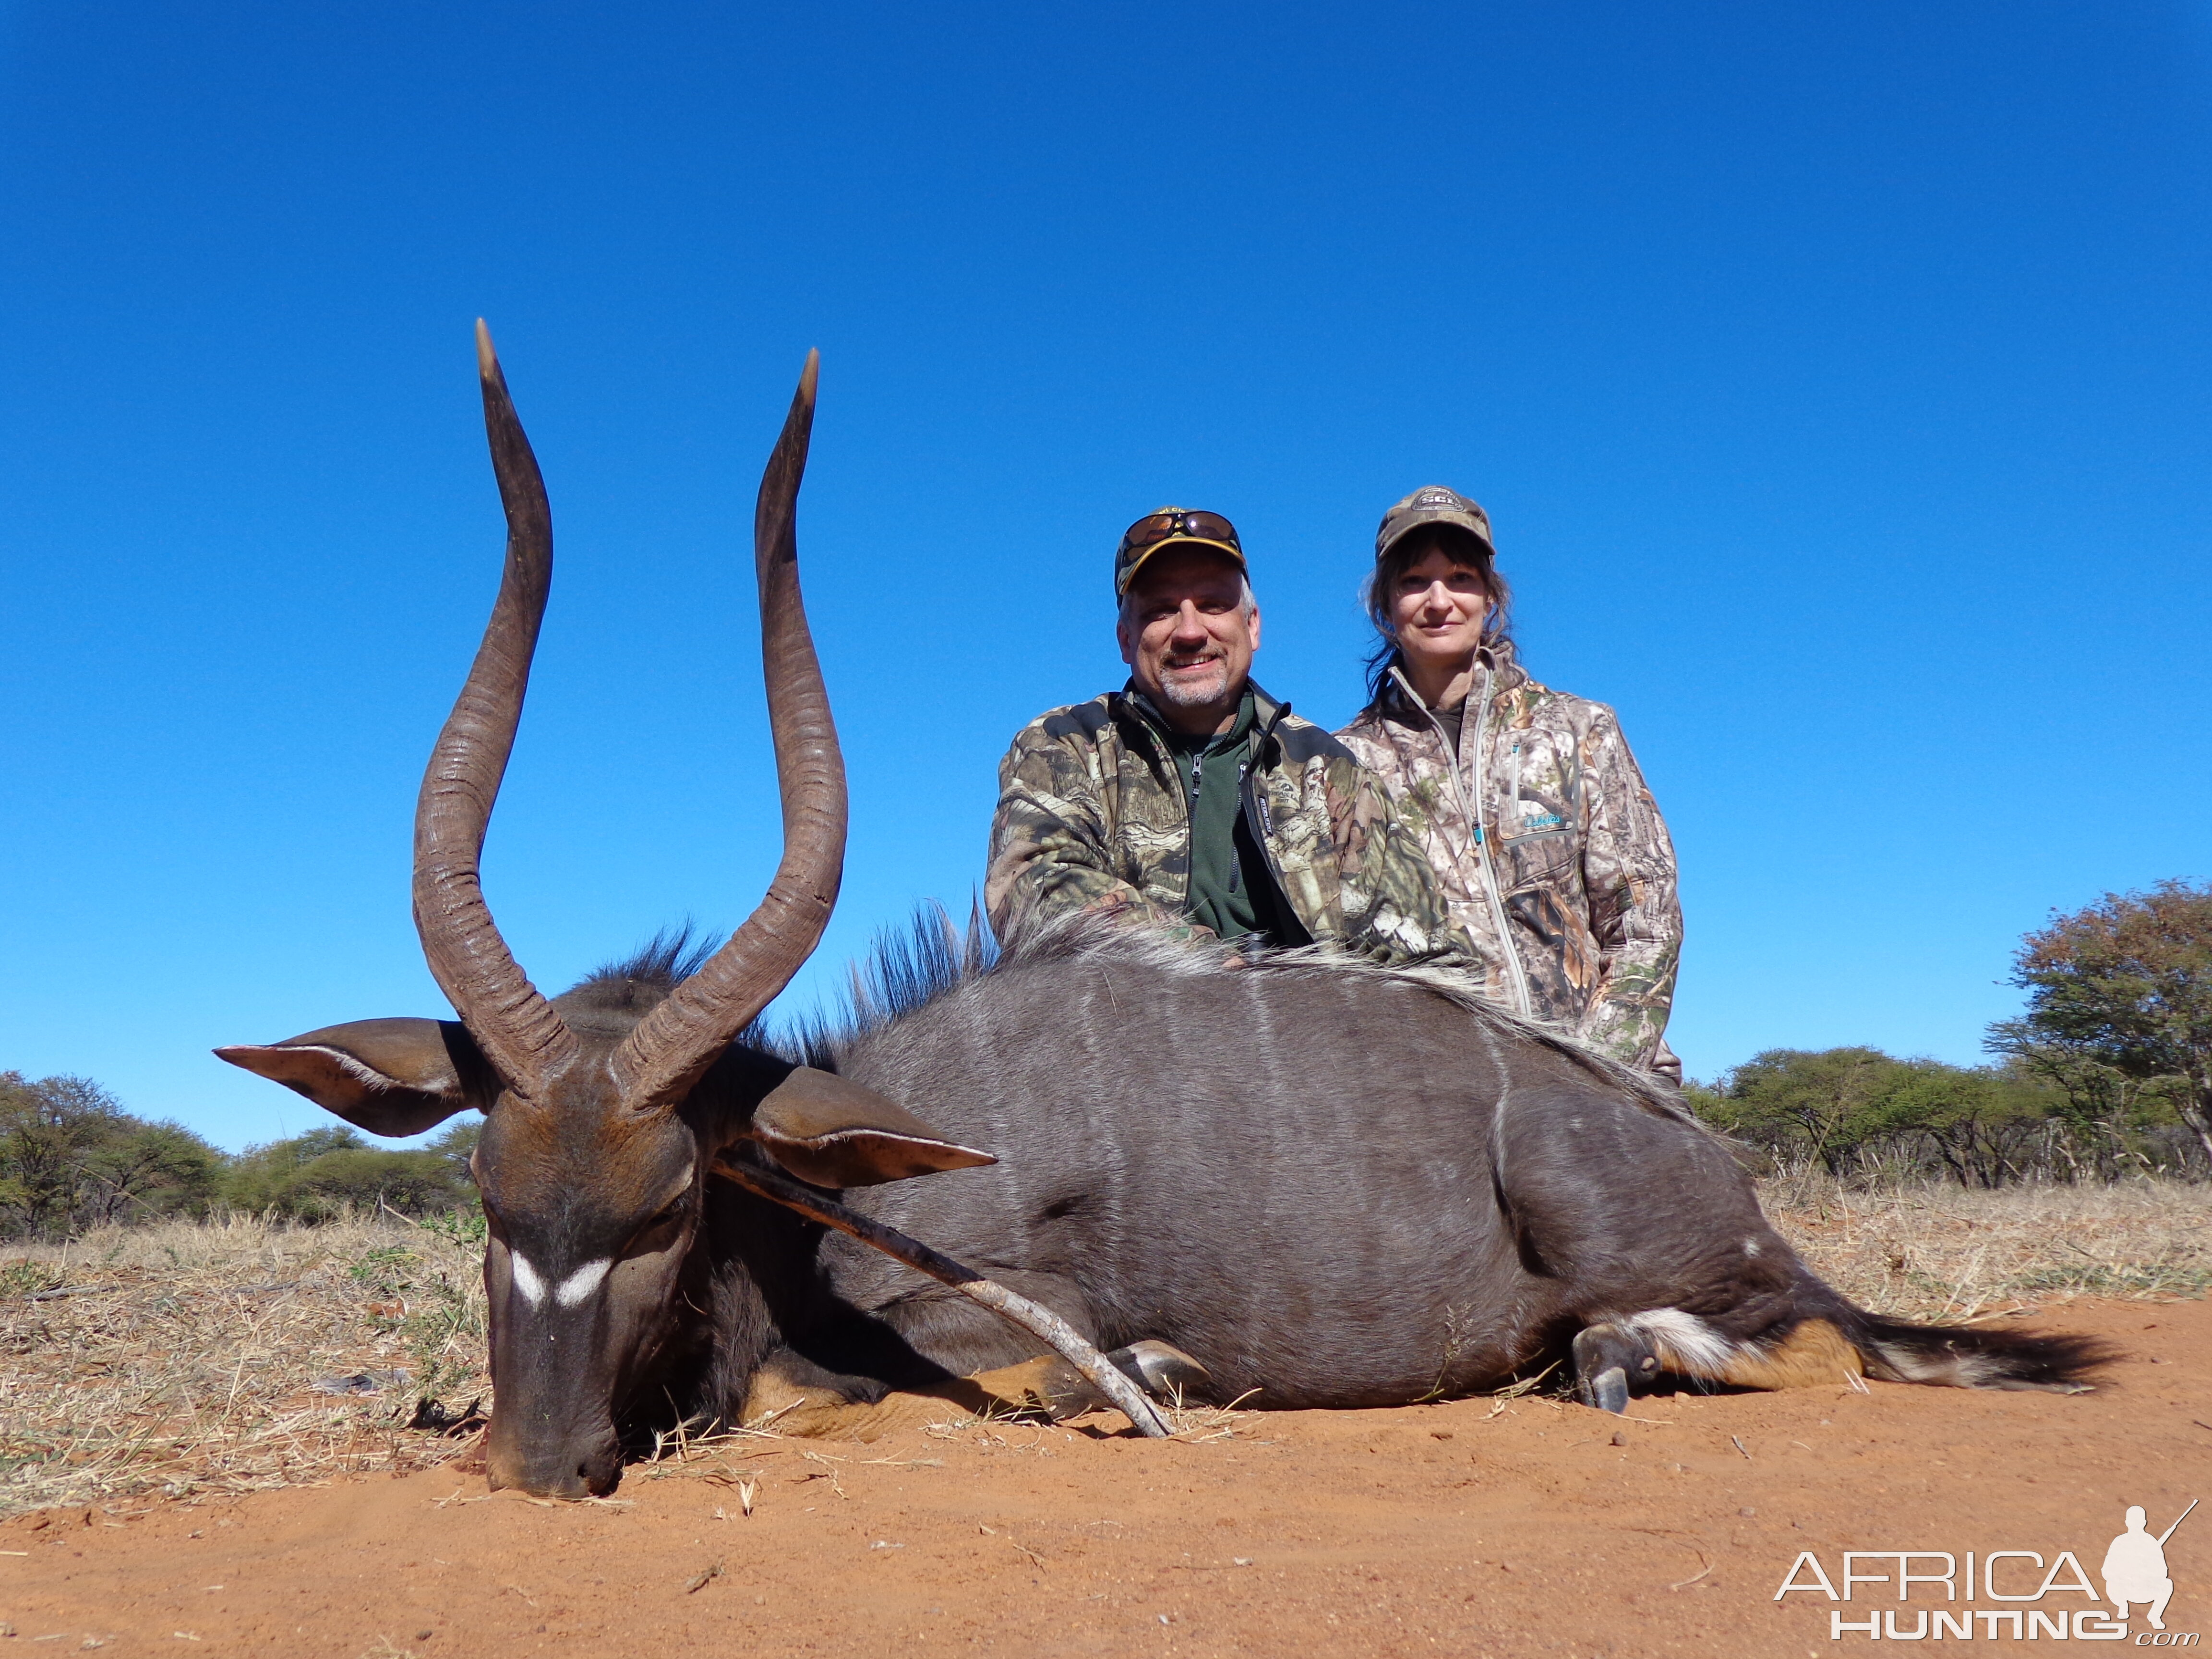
x=527, y=1279
x=581, y=1283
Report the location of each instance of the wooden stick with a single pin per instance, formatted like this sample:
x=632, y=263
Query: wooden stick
x=1039, y=1320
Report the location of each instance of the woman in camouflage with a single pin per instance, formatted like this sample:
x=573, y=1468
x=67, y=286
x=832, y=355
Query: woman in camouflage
x=1552, y=855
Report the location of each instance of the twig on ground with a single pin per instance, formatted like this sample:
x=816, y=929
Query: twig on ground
x=704, y=1579
x=1694, y=1576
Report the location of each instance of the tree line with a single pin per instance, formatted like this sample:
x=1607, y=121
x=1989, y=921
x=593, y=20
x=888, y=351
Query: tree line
x=72, y=1159
x=1860, y=1114
x=2108, y=1072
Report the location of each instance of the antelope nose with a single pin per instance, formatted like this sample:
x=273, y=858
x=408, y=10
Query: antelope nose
x=578, y=1469
x=591, y=1475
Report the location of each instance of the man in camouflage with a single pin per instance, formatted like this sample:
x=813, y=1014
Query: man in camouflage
x=1552, y=854
x=1191, y=799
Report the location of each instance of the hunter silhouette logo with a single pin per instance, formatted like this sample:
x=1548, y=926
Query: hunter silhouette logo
x=2134, y=1570
x=2134, y=1567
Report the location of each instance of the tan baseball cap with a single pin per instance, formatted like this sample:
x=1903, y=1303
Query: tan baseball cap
x=1172, y=526
x=1433, y=504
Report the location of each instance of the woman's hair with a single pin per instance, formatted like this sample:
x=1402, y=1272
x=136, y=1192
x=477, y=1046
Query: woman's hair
x=1458, y=546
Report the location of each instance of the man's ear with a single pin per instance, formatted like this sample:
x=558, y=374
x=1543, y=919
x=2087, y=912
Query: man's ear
x=831, y=1132
x=390, y=1077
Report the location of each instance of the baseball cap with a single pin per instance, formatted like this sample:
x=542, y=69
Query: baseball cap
x=1433, y=504
x=1172, y=526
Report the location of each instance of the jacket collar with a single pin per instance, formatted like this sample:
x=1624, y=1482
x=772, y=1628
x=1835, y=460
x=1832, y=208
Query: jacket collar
x=1139, y=711
x=1502, y=674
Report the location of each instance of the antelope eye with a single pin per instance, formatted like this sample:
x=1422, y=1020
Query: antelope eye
x=667, y=1216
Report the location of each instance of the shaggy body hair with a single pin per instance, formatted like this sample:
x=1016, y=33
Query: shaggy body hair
x=906, y=971
x=631, y=986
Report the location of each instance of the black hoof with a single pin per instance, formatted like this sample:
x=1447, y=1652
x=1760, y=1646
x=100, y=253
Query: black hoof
x=1610, y=1365
x=1608, y=1391
x=1161, y=1369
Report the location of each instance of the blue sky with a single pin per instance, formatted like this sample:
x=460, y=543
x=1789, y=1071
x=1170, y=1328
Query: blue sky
x=1836, y=376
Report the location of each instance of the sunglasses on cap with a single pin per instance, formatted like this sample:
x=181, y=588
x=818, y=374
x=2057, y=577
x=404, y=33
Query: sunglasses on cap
x=1175, y=525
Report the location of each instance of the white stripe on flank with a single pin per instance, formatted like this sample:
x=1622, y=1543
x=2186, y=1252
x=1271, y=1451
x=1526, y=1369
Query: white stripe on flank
x=581, y=1283
x=526, y=1278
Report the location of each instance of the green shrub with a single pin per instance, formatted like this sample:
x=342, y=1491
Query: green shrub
x=71, y=1158
x=325, y=1172
x=1857, y=1113
x=2119, y=1010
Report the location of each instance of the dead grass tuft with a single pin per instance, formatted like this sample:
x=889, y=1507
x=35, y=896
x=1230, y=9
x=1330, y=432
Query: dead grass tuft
x=181, y=1359
x=1951, y=1252
x=1200, y=1425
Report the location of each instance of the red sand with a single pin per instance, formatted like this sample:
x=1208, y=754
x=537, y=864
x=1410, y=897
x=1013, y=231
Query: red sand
x=1448, y=1529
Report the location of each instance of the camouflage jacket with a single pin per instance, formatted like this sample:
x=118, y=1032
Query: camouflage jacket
x=1546, y=841
x=1092, y=817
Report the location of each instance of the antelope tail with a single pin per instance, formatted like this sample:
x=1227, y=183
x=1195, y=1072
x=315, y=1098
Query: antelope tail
x=1974, y=1356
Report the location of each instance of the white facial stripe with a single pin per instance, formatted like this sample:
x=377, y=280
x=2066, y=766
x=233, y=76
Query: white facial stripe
x=581, y=1283
x=527, y=1277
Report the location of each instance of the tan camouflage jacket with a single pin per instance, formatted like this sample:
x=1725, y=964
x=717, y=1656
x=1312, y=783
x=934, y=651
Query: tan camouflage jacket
x=1092, y=816
x=1571, y=865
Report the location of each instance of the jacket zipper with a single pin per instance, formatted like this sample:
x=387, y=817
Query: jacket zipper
x=1255, y=805
x=1513, y=971
x=1189, y=806
x=1254, y=802
x=1197, y=783
x=1250, y=798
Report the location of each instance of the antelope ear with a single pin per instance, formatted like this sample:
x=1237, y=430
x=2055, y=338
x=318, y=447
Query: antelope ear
x=831, y=1132
x=390, y=1077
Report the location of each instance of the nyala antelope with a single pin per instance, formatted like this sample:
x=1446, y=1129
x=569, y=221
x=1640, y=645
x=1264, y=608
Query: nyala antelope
x=1291, y=1176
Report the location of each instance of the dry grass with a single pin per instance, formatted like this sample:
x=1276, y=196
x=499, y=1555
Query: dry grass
x=181, y=1359
x=182, y=1364
x=1947, y=1252
x=1200, y=1425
